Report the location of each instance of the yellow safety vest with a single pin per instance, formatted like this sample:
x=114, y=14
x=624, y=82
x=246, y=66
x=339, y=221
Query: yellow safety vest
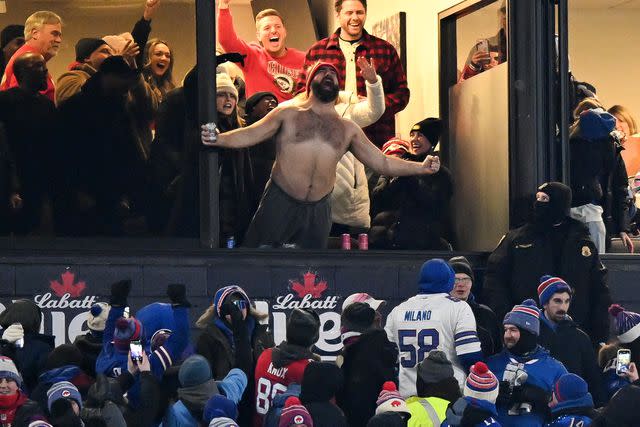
x=427, y=412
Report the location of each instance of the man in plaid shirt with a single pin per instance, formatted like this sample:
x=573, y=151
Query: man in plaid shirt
x=342, y=49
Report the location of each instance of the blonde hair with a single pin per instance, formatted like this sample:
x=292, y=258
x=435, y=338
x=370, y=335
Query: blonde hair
x=165, y=83
x=38, y=19
x=619, y=110
x=265, y=13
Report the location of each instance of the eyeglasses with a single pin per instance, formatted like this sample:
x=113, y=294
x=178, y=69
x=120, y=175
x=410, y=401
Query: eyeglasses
x=462, y=280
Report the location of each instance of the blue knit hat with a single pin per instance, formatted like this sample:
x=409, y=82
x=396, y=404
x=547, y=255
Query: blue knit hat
x=572, y=391
x=550, y=285
x=627, y=323
x=525, y=316
x=224, y=292
x=194, y=371
x=127, y=330
x=9, y=371
x=219, y=407
x=63, y=390
x=596, y=124
x=436, y=276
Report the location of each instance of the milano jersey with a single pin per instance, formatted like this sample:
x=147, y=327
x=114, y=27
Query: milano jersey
x=271, y=380
x=429, y=322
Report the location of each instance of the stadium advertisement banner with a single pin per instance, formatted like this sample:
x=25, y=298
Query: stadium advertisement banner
x=65, y=295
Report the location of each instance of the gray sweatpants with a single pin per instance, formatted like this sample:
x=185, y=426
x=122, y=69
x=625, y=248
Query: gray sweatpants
x=282, y=219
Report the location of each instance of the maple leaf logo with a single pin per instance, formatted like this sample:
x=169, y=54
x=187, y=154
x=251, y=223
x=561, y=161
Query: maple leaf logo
x=395, y=403
x=311, y=286
x=67, y=286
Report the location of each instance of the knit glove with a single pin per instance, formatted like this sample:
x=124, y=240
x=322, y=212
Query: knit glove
x=119, y=293
x=229, y=308
x=177, y=293
x=13, y=333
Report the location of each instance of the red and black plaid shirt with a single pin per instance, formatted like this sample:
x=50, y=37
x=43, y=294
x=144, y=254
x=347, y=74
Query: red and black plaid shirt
x=388, y=67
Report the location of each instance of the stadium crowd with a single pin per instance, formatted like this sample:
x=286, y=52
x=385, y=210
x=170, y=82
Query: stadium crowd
x=307, y=150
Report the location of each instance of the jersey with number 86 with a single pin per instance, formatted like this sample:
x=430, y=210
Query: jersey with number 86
x=429, y=322
x=271, y=380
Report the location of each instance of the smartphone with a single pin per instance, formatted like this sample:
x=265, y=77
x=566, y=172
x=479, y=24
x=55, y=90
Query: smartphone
x=483, y=45
x=623, y=361
x=135, y=348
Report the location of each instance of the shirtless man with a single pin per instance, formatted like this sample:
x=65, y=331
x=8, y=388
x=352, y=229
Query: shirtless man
x=310, y=140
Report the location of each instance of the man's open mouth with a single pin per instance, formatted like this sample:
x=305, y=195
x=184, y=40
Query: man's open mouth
x=275, y=39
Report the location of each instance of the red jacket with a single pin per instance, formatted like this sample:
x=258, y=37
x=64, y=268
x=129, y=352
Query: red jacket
x=270, y=381
x=388, y=67
x=9, y=79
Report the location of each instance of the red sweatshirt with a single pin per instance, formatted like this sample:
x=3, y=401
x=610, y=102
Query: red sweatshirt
x=9, y=79
x=262, y=72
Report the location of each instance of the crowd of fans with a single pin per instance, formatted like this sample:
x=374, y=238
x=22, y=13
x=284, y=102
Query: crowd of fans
x=121, y=153
x=113, y=149
x=439, y=358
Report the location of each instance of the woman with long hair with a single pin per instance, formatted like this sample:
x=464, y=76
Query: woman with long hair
x=158, y=66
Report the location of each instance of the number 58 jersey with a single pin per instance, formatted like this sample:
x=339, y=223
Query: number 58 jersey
x=428, y=322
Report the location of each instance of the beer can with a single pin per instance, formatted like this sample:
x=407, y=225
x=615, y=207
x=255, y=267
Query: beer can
x=231, y=242
x=346, y=241
x=363, y=241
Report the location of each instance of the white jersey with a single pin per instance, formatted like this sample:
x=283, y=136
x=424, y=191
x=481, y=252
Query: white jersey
x=429, y=322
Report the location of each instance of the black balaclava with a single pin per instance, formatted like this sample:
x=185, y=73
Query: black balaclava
x=526, y=344
x=548, y=214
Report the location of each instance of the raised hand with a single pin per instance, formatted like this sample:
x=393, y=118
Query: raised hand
x=150, y=7
x=431, y=164
x=129, y=52
x=367, y=69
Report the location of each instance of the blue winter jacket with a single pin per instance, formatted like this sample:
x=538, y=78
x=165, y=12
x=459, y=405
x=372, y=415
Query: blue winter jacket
x=569, y=413
x=543, y=371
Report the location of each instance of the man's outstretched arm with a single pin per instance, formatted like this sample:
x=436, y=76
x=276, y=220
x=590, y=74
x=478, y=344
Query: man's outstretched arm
x=371, y=156
x=258, y=132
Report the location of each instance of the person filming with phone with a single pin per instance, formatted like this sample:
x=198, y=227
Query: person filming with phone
x=619, y=359
x=488, y=52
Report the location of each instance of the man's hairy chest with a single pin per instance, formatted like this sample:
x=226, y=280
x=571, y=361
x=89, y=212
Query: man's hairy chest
x=309, y=126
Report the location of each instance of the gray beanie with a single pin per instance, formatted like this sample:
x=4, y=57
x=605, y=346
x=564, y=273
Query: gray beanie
x=435, y=368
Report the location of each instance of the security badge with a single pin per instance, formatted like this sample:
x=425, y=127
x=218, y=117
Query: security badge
x=586, y=252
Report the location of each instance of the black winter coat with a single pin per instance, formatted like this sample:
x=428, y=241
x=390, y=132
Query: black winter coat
x=368, y=363
x=412, y=212
x=526, y=253
x=599, y=176
x=488, y=328
x=572, y=346
x=29, y=359
x=106, y=163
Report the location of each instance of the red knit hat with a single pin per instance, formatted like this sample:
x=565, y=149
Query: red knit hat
x=314, y=69
x=396, y=147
